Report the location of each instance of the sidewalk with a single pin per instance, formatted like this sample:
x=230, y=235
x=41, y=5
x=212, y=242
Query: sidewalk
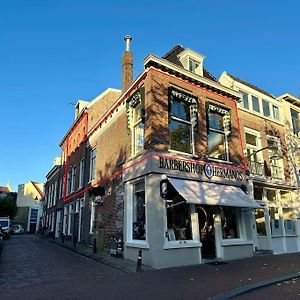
x=225, y=280
x=124, y=265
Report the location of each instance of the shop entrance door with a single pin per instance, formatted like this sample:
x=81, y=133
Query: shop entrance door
x=207, y=231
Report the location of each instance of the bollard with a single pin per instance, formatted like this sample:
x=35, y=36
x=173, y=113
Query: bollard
x=94, y=245
x=139, y=261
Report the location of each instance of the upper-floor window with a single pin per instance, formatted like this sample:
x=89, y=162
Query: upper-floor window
x=276, y=163
x=245, y=100
x=92, y=164
x=138, y=130
x=255, y=104
x=182, y=120
x=69, y=182
x=295, y=121
x=55, y=193
x=276, y=114
x=218, y=132
x=266, y=108
x=254, y=157
x=81, y=172
x=136, y=120
x=73, y=179
x=193, y=65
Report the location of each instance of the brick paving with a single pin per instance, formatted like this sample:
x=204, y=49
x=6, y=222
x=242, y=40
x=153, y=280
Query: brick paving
x=31, y=268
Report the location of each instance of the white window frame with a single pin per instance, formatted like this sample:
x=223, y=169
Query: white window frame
x=73, y=178
x=129, y=240
x=135, y=124
x=92, y=217
x=81, y=172
x=93, y=155
x=65, y=219
x=69, y=178
x=278, y=162
x=70, y=215
x=55, y=193
x=273, y=113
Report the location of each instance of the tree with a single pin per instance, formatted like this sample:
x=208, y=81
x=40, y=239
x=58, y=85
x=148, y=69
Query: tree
x=8, y=207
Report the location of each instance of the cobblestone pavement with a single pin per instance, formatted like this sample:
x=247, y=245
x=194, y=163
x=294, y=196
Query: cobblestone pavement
x=31, y=268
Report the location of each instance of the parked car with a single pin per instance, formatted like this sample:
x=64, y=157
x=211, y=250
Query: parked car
x=1, y=239
x=17, y=229
x=6, y=227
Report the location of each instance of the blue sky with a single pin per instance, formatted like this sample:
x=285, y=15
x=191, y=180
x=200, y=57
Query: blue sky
x=54, y=52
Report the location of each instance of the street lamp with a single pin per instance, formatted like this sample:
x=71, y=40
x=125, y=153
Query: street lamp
x=277, y=154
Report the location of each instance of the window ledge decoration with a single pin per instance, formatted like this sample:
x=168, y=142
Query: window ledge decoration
x=137, y=98
x=191, y=100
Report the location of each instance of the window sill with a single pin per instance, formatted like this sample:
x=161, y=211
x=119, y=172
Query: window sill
x=183, y=153
x=291, y=235
x=235, y=242
x=137, y=244
x=181, y=244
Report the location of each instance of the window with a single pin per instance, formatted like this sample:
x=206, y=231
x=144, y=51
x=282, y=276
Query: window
x=92, y=218
x=257, y=192
x=65, y=222
x=295, y=121
x=138, y=130
x=70, y=219
x=183, y=109
x=276, y=224
x=69, y=182
x=61, y=189
x=266, y=108
x=276, y=163
x=276, y=115
x=245, y=101
x=193, y=65
x=254, y=158
x=55, y=193
x=289, y=221
x=260, y=222
x=255, y=104
x=271, y=195
x=73, y=179
x=229, y=223
x=139, y=212
x=81, y=172
x=92, y=164
x=219, y=129
x=179, y=220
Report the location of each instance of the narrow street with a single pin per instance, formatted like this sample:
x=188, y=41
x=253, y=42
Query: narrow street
x=32, y=268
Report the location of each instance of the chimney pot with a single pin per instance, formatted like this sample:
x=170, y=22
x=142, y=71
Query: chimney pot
x=127, y=39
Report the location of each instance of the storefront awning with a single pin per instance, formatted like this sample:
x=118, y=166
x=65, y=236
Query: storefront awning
x=212, y=194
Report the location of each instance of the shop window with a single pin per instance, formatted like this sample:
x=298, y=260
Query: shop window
x=275, y=222
x=289, y=221
x=257, y=193
x=229, y=223
x=260, y=222
x=139, y=212
x=179, y=221
x=183, y=116
x=218, y=132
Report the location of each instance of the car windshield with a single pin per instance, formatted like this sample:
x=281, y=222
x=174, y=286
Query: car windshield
x=15, y=227
x=4, y=223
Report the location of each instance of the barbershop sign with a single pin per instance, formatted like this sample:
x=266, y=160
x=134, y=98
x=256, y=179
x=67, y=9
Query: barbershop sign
x=196, y=168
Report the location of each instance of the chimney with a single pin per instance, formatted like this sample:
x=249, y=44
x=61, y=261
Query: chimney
x=127, y=65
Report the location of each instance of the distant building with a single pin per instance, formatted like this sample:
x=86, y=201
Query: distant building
x=28, y=203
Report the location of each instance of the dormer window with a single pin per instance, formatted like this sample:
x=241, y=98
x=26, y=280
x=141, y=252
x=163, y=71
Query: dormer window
x=193, y=65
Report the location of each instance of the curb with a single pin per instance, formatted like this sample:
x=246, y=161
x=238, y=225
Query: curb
x=254, y=286
x=94, y=257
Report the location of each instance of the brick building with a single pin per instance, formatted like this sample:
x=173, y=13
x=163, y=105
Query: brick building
x=271, y=176
x=161, y=165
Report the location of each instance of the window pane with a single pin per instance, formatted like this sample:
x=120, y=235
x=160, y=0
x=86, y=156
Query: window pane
x=271, y=195
x=260, y=222
x=216, y=145
x=276, y=225
x=289, y=221
x=257, y=192
x=266, y=108
x=229, y=223
x=245, y=101
x=139, y=138
x=255, y=104
x=216, y=121
x=139, y=212
x=295, y=121
x=179, y=222
x=251, y=139
x=276, y=112
x=180, y=135
x=180, y=110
